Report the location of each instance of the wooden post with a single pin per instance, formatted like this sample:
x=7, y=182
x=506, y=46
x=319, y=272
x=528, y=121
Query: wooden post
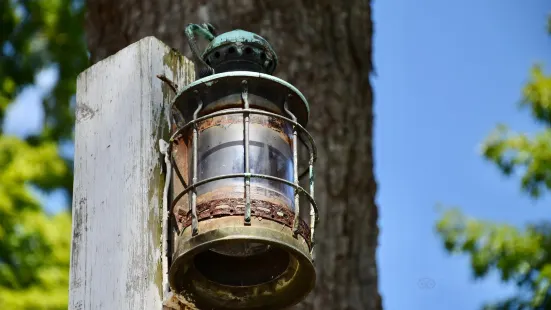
x=117, y=259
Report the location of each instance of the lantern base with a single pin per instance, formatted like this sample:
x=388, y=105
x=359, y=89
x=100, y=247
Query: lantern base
x=232, y=266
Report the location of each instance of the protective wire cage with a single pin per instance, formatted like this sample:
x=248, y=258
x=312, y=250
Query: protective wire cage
x=299, y=135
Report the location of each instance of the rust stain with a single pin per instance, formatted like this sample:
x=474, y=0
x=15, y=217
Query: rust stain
x=257, y=192
x=259, y=208
x=278, y=125
x=181, y=155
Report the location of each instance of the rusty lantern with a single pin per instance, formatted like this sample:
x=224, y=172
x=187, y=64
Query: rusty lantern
x=241, y=243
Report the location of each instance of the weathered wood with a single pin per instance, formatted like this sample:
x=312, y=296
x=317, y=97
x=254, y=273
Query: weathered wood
x=116, y=255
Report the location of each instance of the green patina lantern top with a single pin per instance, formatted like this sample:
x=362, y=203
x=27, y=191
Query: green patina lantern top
x=238, y=36
x=236, y=50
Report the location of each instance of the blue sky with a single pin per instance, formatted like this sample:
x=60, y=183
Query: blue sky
x=447, y=73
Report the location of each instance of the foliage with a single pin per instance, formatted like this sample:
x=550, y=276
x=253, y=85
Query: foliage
x=34, y=246
x=521, y=256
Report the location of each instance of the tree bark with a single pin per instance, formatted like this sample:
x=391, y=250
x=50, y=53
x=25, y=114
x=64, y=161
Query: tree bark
x=325, y=50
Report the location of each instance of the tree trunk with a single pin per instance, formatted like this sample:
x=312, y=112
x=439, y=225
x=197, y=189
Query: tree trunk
x=324, y=49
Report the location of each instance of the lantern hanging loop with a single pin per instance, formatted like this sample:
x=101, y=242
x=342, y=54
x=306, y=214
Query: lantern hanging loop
x=206, y=31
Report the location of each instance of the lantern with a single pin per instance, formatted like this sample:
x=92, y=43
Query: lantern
x=234, y=147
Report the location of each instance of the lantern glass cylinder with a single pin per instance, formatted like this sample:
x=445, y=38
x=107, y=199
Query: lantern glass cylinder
x=221, y=151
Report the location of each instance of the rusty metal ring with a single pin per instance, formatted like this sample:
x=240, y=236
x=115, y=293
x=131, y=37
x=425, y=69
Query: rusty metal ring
x=252, y=175
x=259, y=208
x=312, y=147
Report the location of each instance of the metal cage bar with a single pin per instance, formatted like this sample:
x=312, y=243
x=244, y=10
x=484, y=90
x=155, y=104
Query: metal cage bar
x=246, y=111
x=313, y=212
x=246, y=129
x=194, y=222
x=295, y=170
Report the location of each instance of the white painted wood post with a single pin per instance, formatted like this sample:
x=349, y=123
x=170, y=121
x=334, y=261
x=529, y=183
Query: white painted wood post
x=117, y=254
